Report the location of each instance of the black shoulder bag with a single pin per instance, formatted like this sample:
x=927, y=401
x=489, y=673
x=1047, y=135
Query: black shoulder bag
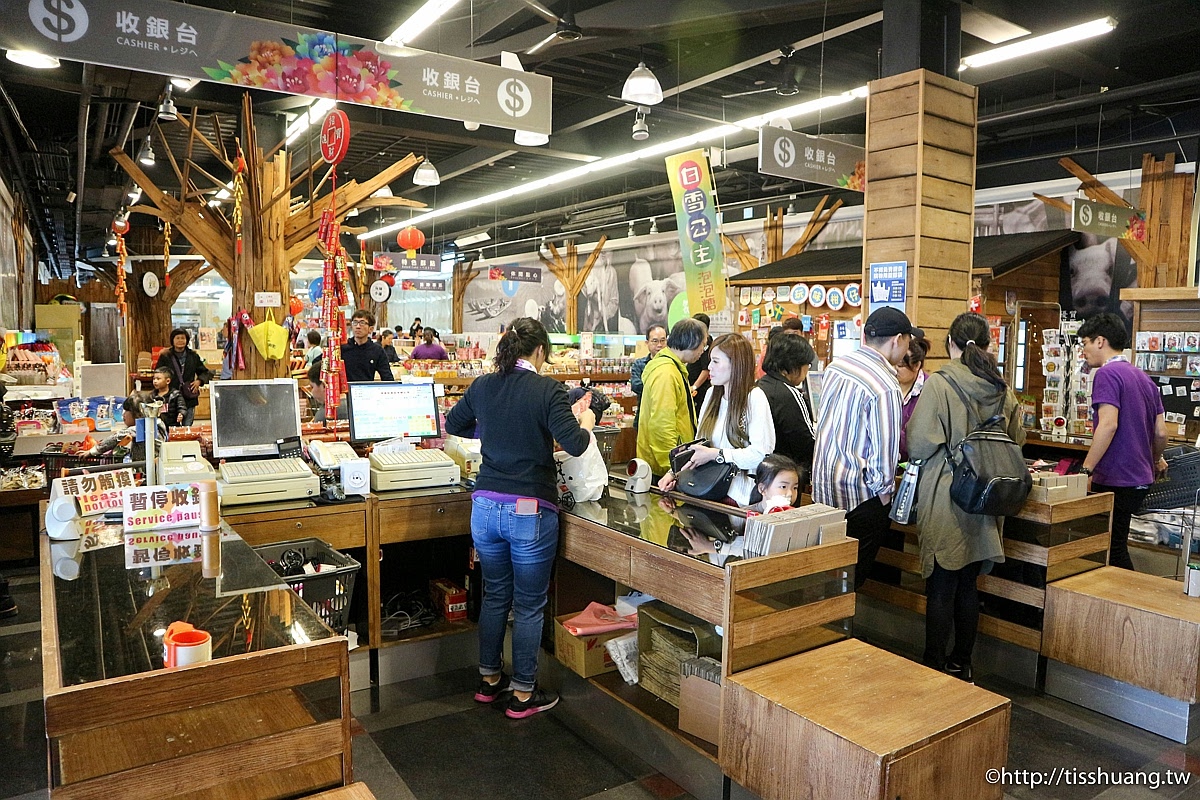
x=990, y=476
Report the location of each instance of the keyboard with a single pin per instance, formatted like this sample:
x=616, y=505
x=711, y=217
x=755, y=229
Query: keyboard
x=270, y=469
x=409, y=459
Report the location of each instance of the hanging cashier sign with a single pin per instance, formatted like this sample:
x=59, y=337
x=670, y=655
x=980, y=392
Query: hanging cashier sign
x=165, y=38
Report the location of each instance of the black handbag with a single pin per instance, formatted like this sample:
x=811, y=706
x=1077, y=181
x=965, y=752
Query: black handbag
x=990, y=476
x=709, y=481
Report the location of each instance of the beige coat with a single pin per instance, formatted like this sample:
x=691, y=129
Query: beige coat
x=949, y=534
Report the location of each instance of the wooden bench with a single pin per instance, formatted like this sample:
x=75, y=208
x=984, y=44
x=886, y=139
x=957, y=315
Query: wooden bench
x=1126, y=644
x=355, y=791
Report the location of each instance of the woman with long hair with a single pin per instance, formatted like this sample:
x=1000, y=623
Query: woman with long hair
x=735, y=418
x=517, y=415
x=956, y=546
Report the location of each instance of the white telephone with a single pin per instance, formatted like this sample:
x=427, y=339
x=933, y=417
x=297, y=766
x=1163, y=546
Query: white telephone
x=329, y=455
x=182, y=462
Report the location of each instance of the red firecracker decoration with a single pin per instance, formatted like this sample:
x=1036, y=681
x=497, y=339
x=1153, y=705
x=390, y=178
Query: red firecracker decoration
x=239, y=192
x=120, y=227
x=411, y=239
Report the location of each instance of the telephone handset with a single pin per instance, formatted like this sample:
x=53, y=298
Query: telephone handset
x=329, y=455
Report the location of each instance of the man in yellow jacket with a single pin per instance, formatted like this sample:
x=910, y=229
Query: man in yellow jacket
x=667, y=414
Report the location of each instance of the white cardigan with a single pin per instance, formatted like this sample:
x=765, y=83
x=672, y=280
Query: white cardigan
x=760, y=428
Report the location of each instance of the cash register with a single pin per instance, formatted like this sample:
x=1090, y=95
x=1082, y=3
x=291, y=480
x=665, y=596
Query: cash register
x=396, y=416
x=249, y=420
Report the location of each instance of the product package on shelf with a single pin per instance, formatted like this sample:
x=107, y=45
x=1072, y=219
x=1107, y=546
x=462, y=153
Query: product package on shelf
x=1067, y=396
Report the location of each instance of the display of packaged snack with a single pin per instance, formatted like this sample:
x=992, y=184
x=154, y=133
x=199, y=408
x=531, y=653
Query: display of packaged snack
x=1174, y=362
x=1158, y=362
x=1142, y=341
x=1173, y=342
x=1193, y=365
x=1154, y=341
x=1191, y=341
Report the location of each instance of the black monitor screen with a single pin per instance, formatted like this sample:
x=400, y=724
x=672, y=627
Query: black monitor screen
x=249, y=417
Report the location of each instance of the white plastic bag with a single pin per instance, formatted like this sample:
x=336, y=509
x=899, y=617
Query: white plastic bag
x=581, y=478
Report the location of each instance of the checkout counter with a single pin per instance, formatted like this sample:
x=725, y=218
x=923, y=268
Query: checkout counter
x=273, y=700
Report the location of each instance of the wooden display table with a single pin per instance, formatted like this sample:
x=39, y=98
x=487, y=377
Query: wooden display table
x=1126, y=644
x=268, y=717
x=852, y=721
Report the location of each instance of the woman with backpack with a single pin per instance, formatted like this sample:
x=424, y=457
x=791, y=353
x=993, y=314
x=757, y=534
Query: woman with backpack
x=957, y=546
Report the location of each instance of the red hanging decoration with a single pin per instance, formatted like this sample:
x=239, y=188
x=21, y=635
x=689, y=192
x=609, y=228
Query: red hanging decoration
x=334, y=295
x=239, y=192
x=411, y=239
x=120, y=227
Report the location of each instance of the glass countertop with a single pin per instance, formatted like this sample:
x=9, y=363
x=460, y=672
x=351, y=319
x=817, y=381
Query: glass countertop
x=115, y=594
x=679, y=526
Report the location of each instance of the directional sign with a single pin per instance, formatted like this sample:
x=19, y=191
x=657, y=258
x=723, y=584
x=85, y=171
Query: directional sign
x=161, y=37
x=1108, y=221
x=811, y=158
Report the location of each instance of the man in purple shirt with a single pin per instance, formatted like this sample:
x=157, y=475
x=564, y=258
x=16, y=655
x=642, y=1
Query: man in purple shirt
x=429, y=351
x=1130, y=433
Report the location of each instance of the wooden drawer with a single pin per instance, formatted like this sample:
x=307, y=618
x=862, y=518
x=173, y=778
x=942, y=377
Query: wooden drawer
x=408, y=521
x=598, y=551
x=339, y=530
x=683, y=582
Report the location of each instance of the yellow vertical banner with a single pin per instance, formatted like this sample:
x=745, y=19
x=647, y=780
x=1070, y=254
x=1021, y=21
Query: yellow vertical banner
x=699, y=238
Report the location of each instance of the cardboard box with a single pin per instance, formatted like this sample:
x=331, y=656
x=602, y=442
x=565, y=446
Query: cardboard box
x=584, y=655
x=700, y=708
x=449, y=598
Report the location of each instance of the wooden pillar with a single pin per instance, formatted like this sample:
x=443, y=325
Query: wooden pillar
x=268, y=272
x=920, y=197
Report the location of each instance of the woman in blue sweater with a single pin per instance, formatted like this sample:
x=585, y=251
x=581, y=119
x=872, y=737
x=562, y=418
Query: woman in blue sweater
x=517, y=415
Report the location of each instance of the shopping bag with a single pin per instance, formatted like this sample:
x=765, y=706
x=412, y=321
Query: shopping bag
x=270, y=338
x=581, y=478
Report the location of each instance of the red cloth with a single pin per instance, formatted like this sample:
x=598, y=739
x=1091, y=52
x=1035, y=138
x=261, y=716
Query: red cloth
x=598, y=618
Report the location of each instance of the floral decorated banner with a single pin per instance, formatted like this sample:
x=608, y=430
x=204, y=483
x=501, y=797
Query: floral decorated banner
x=167, y=38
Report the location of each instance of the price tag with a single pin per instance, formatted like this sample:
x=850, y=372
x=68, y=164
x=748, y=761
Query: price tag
x=268, y=299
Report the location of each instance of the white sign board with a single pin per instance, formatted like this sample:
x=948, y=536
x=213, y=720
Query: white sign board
x=267, y=300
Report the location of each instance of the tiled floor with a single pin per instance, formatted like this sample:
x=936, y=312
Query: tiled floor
x=426, y=739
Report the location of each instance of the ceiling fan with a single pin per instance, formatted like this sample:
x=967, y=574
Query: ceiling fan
x=565, y=29
x=790, y=76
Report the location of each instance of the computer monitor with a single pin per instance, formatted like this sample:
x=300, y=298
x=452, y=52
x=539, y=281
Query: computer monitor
x=250, y=417
x=387, y=410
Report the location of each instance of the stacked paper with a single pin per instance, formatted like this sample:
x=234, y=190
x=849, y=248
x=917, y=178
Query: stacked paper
x=794, y=529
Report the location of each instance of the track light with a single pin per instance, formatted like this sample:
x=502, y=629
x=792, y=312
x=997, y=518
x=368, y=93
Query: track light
x=654, y=225
x=184, y=84
x=166, y=109
x=112, y=240
x=426, y=175
x=146, y=154
x=641, y=131
x=630, y=234
x=470, y=125
x=135, y=194
x=642, y=87
x=530, y=139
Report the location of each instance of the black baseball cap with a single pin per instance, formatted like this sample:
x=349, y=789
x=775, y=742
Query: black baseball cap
x=888, y=321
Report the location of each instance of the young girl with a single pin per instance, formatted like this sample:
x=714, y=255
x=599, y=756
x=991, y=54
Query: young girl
x=778, y=482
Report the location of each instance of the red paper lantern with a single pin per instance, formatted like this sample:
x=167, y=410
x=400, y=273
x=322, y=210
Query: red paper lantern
x=388, y=278
x=295, y=306
x=121, y=227
x=411, y=239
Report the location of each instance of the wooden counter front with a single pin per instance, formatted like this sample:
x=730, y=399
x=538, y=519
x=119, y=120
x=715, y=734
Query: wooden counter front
x=1136, y=628
x=888, y=727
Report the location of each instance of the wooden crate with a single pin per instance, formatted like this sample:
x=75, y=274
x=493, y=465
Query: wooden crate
x=1136, y=628
x=852, y=721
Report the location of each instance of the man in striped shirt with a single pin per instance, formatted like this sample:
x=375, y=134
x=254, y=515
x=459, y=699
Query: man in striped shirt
x=858, y=433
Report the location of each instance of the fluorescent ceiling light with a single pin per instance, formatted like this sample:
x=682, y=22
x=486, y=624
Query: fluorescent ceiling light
x=474, y=238
x=575, y=174
x=421, y=19
x=316, y=112
x=30, y=58
x=1077, y=33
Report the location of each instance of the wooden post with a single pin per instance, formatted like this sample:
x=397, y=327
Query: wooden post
x=921, y=136
x=464, y=273
x=572, y=276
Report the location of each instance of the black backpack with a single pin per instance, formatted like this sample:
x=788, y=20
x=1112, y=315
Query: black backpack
x=990, y=476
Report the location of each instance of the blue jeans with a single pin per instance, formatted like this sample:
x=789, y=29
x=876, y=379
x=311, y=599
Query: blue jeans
x=516, y=554
x=189, y=416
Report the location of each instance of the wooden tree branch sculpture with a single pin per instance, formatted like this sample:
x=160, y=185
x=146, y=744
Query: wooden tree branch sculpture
x=816, y=222
x=568, y=271
x=464, y=273
x=740, y=250
x=276, y=233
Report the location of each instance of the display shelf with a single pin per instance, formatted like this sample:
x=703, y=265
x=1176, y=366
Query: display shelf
x=427, y=632
x=1043, y=544
x=661, y=713
x=1173, y=310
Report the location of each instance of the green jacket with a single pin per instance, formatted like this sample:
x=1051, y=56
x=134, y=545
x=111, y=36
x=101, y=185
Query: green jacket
x=949, y=534
x=666, y=414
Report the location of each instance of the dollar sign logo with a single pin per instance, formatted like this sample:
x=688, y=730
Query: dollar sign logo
x=514, y=97
x=59, y=20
